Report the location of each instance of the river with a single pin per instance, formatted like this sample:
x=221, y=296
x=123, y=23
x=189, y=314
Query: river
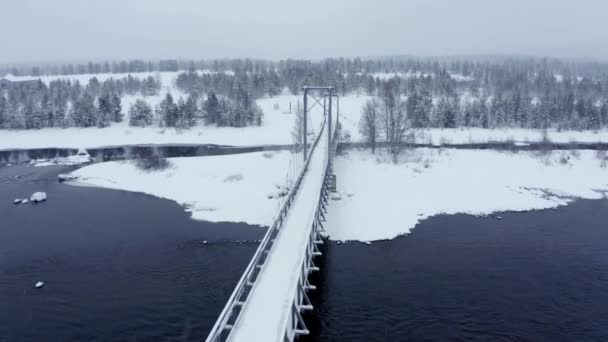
x=121, y=266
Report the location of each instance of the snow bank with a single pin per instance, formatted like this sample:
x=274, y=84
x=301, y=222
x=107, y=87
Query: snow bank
x=439, y=136
x=71, y=160
x=38, y=197
x=382, y=200
x=215, y=188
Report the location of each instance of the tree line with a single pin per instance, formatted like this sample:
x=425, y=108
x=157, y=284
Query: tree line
x=66, y=103
x=396, y=109
x=211, y=109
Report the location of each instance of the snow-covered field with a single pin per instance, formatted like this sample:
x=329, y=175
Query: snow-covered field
x=379, y=199
x=166, y=77
x=233, y=188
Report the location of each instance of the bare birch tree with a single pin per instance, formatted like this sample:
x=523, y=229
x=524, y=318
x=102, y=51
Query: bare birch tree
x=394, y=117
x=369, y=123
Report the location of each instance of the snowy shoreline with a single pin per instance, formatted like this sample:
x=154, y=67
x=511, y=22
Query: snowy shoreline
x=120, y=135
x=379, y=200
x=229, y=188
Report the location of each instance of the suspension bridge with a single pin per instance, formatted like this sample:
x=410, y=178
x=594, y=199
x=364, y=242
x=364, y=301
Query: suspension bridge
x=271, y=295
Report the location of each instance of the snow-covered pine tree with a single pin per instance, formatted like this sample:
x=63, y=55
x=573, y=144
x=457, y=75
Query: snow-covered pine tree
x=116, y=108
x=140, y=114
x=189, y=111
x=84, y=112
x=105, y=111
x=150, y=86
x=604, y=114
x=181, y=122
x=211, y=109
x=15, y=119
x=168, y=111
x=3, y=111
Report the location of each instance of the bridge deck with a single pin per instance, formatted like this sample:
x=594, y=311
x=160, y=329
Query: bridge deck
x=266, y=312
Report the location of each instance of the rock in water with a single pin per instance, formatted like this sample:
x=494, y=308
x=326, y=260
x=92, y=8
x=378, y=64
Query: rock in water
x=38, y=197
x=17, y=201
x=39, y=284
x=66, y=177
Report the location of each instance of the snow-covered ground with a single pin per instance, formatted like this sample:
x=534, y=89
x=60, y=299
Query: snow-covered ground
x=166, y=77
x=417, y=74
x=379, y=199
x=233, y=188
x=438, y=136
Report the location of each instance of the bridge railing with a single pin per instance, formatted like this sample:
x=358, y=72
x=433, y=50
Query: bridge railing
x=230, y=314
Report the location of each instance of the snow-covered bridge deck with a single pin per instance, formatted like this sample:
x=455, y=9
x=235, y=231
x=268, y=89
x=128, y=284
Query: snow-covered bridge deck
x=266, y=315
x=271, y=295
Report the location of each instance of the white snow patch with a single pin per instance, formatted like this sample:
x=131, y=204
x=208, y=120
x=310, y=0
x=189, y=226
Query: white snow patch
x=71, y=160
x=13, y=78
x=461, y=78
x=390, y=199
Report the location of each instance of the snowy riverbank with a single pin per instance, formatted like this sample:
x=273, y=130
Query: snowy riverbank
x=233, y=188
x=377, y=199
x=382, y=200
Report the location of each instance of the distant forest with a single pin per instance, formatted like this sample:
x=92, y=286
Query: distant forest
x=489, y=92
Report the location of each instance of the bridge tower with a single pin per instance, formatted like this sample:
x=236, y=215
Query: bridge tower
x=327, y=94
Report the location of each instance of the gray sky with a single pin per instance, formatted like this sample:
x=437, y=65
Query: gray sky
x=40, y=30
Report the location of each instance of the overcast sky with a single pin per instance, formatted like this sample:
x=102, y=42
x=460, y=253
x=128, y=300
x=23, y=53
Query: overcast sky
x=61, y=30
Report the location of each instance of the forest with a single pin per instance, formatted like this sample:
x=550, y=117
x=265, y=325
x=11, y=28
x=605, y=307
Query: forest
x=468, y=91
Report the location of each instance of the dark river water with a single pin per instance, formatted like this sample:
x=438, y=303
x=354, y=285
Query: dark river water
x=119, y=266
x=536, y=276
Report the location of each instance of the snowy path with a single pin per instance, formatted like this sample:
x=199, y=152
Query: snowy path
x=265, y=315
